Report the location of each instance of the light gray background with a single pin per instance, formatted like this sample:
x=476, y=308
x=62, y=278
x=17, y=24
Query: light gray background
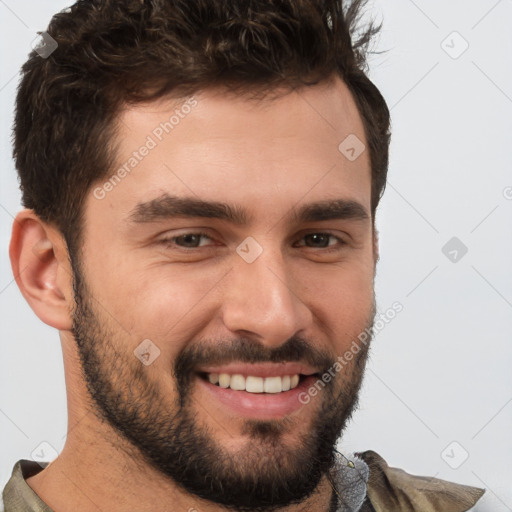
x=441, y=370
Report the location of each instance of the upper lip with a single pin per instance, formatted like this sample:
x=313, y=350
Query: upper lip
x=261, y=369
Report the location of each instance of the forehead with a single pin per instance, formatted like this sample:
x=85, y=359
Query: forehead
x=266, y=154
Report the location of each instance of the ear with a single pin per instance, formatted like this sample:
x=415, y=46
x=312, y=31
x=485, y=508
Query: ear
x=40, y=263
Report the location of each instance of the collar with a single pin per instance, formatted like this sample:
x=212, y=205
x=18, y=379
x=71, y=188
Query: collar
x=394, y=489
x=17, y=494
x=349, y=476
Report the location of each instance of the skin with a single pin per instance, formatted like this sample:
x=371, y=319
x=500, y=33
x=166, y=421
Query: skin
x=267, y=157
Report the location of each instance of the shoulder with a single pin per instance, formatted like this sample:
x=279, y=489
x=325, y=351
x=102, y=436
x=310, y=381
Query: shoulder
x=394, y=489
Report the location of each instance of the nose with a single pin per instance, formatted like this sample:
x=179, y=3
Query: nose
x=260, y=301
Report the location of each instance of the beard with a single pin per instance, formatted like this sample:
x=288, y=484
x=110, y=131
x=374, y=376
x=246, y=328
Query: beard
x=266, y=474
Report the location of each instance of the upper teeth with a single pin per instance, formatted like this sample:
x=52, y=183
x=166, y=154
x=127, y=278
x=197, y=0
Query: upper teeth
x=254, y=384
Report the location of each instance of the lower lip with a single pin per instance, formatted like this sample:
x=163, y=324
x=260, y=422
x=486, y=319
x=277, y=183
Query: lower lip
x=259, y=405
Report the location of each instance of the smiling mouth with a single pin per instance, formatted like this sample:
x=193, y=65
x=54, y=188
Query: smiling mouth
x=254, y=384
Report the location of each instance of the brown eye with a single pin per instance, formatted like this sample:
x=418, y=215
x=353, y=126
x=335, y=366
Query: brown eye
x=187, y=240
x=321, y=240
x=318, y=239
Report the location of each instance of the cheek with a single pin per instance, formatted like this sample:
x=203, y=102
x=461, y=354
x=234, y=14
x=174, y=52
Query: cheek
x=169, y=306
x=353, y=292
x=341, y=299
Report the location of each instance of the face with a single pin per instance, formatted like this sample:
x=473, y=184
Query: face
x=223, y=275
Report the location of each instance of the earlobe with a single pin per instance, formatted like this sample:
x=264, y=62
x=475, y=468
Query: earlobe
x=40, y=265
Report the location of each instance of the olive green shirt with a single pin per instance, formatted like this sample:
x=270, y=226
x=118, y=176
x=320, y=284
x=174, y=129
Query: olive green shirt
x=379, y=488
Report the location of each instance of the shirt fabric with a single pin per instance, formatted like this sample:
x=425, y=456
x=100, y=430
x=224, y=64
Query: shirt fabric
x=362, y=482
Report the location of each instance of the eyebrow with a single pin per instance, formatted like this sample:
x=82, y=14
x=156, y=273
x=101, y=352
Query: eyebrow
x=167, y=206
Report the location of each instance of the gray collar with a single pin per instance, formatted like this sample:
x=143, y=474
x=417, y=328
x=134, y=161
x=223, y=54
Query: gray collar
x=349, y=477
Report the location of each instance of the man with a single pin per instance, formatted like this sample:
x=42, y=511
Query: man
x=200, y=182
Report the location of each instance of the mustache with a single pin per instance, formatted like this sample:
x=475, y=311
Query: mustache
x=295, y=349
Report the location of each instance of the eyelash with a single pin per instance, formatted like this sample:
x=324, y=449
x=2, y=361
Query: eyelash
x=170, y=242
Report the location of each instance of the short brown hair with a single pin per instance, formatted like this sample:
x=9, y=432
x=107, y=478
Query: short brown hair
x=114, y=52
